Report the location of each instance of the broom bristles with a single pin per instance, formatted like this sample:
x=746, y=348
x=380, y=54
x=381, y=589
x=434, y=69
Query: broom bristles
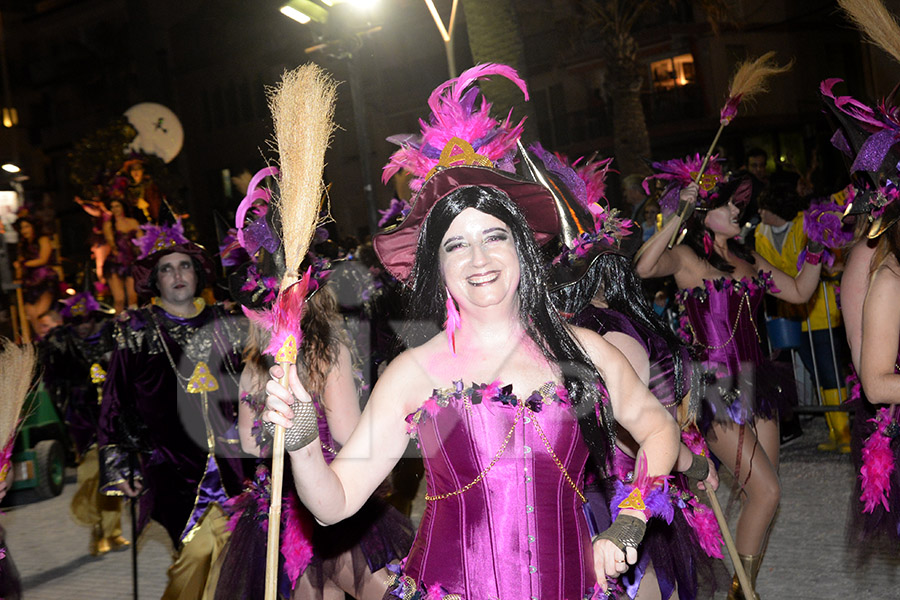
x=302, y=108
x=17, y=366
x=875, y=22
x=751, y=76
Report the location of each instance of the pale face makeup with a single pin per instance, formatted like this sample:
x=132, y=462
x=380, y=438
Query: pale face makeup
x=479, y=261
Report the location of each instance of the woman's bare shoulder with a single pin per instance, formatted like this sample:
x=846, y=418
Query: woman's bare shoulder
x=408, y=375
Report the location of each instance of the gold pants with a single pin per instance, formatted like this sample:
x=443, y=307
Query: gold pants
x=191, y=576
x=90, y=507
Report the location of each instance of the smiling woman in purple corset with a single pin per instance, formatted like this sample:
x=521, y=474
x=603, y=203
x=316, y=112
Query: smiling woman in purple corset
x=506, y=404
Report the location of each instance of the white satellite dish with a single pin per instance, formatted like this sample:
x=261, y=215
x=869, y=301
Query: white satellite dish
x=159, y=131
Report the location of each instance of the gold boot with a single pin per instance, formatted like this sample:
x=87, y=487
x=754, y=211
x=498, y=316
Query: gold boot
x=117, y=542
x=99, y=544
x=751, y=567
x=838, y=423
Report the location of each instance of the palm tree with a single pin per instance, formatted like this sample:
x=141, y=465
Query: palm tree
x=495, y=36
x=617, y=22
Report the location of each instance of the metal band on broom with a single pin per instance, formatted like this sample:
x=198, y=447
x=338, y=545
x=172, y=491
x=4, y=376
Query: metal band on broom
x=302, y=108
x=749, y=80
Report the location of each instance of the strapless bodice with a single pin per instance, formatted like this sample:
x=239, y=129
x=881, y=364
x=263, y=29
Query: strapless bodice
x=504, y=518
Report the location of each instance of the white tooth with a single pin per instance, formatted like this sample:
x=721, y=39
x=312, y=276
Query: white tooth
x=475, y=280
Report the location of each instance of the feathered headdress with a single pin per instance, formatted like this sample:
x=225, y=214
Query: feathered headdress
x=585, y=180
x=460, y=145
x=159, y=237
x=81, y=304
x=881, y=127
x=454, y=115
x=678, y=173
x=159, y=240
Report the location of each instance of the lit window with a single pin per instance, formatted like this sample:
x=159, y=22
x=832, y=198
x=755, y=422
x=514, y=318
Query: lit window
x=671, y=72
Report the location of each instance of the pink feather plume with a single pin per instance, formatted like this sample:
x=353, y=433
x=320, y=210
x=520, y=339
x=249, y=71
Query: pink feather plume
x=283, y=318
x=453, y=114
x=877, y=465
x=703, y=522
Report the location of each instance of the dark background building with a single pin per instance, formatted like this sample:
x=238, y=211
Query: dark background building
x=73, y=66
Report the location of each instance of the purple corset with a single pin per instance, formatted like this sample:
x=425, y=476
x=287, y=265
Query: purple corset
x=503, y=519
x=721, y=323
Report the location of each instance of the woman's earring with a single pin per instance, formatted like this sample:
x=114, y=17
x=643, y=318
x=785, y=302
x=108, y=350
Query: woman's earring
x=452, y=323
x=707, y=243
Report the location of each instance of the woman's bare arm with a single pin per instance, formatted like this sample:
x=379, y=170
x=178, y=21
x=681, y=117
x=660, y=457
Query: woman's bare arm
x=795, y=290
x=45, y=250
x=251, y=383
x=334, y=492
x=635, y=408
x=881, y=332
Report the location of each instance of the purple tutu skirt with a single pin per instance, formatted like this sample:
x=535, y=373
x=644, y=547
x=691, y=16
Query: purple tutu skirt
x=758, y=391
x=375, y=536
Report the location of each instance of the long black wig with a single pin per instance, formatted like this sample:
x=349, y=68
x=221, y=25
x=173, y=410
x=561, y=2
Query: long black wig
x=696, y=227
x=542, y=323
x=612, y=276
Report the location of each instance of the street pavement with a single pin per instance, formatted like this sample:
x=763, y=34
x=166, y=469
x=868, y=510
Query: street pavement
x=808, y=556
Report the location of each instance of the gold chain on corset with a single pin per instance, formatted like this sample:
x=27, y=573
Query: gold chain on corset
x=745, y=299
x=484, y=471
x=520, y=410
x=559, y=465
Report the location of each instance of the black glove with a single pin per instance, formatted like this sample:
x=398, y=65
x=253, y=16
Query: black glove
x=625, y=532
x=305, y=428
x=699, y=469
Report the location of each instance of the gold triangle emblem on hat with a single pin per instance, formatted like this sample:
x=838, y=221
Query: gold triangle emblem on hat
x=459, y=152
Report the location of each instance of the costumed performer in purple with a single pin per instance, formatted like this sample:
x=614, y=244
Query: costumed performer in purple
x=506, y=403
x=36, y=267
x=76, y=357
x=316, y=562
x=168, y=422
x=120, y=231
x=867, y=135
x=722, y=285
x=879, y=478
x=593, y=283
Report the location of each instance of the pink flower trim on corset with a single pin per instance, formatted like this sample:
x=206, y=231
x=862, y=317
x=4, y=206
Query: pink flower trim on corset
x=762, y=282
x=476, y=394
x=404, y=587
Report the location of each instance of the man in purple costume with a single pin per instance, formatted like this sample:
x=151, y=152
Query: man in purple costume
x=168, y=419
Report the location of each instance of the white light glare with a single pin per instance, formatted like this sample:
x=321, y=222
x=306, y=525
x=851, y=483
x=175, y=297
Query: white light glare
x=363, y=4
x=295, y=14
x=10, y=168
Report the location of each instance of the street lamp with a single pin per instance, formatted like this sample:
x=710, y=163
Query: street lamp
x=446, y=33
x=346, y=41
